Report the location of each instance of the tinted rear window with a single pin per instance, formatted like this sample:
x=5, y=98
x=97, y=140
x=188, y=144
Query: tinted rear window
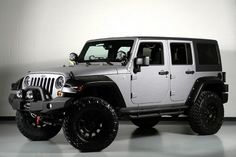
x=208, y=54
x=181, y=53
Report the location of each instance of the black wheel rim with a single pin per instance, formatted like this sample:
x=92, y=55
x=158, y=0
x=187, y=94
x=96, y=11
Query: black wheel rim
x=90, y=125
x=211, y=114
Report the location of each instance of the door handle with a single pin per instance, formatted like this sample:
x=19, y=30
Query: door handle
x=189, y=72
x=163, y=72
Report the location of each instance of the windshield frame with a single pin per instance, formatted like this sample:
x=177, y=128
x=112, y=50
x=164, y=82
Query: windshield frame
x=89, y=43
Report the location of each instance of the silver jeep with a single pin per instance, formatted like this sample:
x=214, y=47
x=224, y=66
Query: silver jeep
x=143, y=78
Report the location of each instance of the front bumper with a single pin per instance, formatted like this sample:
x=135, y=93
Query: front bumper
x=43, y=106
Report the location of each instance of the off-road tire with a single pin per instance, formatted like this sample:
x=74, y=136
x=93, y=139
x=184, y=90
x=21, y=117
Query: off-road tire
x=91, y=124
x=146, y=122
x=206, y=114
x=24, y=124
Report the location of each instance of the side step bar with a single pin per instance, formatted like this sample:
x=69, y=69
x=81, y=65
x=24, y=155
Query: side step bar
x=154, y=111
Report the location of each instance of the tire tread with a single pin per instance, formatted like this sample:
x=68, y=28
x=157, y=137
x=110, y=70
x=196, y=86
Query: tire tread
x=195, y=114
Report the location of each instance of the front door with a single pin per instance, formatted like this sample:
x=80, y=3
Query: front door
x=151, y=84
x=182, y=69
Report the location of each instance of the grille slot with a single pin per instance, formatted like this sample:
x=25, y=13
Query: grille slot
x=46, y=83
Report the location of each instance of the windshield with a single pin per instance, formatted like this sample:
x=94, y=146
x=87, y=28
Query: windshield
x=107, y=51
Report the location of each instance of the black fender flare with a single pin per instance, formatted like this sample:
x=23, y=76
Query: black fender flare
x=202, y=83
x=78, y=86
x=17, y=84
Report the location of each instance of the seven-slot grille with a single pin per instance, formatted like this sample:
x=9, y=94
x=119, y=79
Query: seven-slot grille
x=46, y=83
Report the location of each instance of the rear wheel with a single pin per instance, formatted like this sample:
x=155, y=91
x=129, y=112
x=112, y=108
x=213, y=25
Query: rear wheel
x=91, y=124
x=206, y=115
x=146, y=122
x=26, y=123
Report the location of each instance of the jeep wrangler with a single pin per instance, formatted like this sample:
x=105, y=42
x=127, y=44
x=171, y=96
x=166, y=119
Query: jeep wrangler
x=143, y=78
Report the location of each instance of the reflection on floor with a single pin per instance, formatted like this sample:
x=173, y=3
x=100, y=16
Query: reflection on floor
x=166, y=139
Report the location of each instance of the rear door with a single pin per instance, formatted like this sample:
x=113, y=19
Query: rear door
x=182, y=69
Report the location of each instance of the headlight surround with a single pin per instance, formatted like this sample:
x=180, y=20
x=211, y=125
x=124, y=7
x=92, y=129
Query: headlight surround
x=60, y=82
x=27, y=81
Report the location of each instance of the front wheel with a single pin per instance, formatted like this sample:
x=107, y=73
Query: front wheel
x=206, y=115
x=91, y=124
x=26, y=123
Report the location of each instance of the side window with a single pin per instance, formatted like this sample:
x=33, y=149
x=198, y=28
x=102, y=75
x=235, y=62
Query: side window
x=207, y=54
x=153, y=50
x=181, y=54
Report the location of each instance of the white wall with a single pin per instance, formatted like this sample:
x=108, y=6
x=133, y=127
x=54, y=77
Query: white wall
x=38, y=33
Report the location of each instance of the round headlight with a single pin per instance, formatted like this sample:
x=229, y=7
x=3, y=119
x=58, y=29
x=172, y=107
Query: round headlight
x=27, y=81
x=60, y=82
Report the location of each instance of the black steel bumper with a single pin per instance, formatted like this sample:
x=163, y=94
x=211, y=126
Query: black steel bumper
x=225, y=97
x=43, y=106
x=225, y=93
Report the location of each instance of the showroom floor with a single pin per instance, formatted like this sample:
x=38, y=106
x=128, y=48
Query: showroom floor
x=166, y=139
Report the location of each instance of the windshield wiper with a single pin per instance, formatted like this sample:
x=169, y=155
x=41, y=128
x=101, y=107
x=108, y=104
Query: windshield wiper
x=88, y=63
x=108, y=62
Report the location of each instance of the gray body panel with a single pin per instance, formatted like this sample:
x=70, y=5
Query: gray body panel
x=83, y=70
x=146, y=88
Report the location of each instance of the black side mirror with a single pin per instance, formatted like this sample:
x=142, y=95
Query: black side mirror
x=73, y=57
x=138, y=62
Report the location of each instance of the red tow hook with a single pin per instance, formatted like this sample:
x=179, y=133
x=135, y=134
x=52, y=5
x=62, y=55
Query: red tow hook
x=38, y=119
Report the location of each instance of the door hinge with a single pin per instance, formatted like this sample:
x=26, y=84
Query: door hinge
x=132, y=95
x=133, y=77
x=172, y=93
x=172, y=76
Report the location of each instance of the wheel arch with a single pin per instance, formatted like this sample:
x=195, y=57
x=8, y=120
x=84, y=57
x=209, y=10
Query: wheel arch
x=98, y=86
x=213, y=84
x=17, y=85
